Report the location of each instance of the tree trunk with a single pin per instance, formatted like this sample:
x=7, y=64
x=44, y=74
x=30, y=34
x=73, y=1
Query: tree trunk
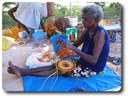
x=51, y=11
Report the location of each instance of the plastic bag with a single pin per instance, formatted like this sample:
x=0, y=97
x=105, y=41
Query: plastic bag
x=39, y=34
x=11, y=32
x=33, y=61
x=7, y=42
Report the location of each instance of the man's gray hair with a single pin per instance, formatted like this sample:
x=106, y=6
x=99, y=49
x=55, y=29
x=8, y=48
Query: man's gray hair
x=95, y=11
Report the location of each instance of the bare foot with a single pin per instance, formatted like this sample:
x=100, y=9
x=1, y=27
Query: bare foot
x=10, y=71
x=27, y=39
x=14, y=69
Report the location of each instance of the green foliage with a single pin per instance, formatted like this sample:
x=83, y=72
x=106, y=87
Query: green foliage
x=7, y=21
x=61, y=11
x=76, y=11
x=116, y=5
x=102, y=4
x=110, y=12
x=7, y=5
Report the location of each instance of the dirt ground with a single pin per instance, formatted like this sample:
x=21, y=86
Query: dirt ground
x=19, y=58
x=115, y=51
x=18, y=55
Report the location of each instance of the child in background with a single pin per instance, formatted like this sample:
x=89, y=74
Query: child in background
x=28, y=15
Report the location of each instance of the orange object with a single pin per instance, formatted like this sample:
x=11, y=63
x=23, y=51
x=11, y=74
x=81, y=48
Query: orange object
x=106, y=21
x=12, y=32
x=21, y=43
x=64, y=52
x=45, y=57
x=65, y=65
x=50, y=28
x=47, y=54
x=15, y=30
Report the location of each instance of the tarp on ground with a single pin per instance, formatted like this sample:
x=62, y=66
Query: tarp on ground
x=102, y=82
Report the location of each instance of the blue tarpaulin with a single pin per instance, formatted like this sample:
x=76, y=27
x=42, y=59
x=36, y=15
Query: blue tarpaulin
x=37, y=35
x=102, y=82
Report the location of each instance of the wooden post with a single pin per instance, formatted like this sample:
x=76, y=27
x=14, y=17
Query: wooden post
x=51, y=11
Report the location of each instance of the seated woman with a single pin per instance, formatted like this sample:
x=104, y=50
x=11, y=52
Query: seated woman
x=95, y=50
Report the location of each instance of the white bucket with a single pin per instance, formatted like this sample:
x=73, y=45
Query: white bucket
x=73, y=21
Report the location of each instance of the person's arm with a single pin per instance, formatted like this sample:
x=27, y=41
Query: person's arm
x=98, y=45
x=11, y=11
x=42, y=25
x=80, y=39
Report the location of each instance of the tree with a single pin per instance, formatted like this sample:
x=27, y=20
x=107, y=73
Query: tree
x=7, y=5
x=61, y=11
x=76, y=11
x=102, y=4
x=116, y=5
